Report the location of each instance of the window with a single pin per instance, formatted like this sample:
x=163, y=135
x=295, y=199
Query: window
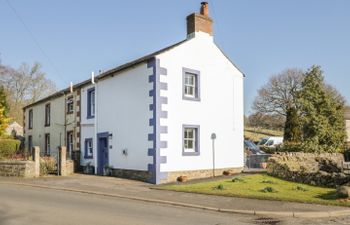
x=30, y=144
x=88, y=148
x=70, y=105
x=47, y=144
x=91, y=103
x=190, y=140
x=47, y=114
x=30, y=119
x=69, y=142
x=191, y=84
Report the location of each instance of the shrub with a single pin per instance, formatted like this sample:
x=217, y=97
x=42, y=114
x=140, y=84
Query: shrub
x=48, y=165
x=220, y=187
x=300, y=188
x=268, y=182
x=8, y=148
x=285, y=147
x=268, y=190
x=237, y=179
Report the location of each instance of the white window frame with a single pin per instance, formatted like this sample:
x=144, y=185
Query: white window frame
x=190, y=84
x=195, y=130
x=70, y=104
x=30, y=119
x=92, y=104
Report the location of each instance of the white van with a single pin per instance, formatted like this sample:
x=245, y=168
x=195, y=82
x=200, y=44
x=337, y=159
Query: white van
x=271, y=141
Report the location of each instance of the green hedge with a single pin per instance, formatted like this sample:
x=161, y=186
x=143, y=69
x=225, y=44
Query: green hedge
x=285, y=147
x=8, y=147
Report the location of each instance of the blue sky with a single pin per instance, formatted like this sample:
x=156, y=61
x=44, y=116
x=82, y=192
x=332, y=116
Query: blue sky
x=261, y=37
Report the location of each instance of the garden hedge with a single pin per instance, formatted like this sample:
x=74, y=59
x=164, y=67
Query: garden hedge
x=8, y=147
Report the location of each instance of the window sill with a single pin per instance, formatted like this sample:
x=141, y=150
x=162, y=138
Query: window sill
x=88, y=157
x=190, y=153
x=196, y=99
x=90, y=117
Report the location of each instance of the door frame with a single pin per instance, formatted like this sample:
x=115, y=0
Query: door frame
x=99, y=151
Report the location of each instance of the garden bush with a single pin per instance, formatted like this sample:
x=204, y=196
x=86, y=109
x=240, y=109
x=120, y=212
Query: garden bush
x=48, y=165
x=285, y=147
x=8, y=148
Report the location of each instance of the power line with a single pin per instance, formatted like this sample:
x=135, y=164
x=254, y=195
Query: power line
x=215, y=15
x=36, y=41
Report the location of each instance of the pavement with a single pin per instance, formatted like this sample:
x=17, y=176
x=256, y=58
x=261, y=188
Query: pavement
x=140, y=191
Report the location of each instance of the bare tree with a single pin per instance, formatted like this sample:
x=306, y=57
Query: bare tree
x=24, y=85
x=279, y=93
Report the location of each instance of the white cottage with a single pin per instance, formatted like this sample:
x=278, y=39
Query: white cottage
x=154, y=118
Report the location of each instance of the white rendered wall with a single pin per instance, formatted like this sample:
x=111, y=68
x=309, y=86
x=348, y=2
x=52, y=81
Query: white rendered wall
x=87, y=129
x=220, y=109
x=123, y=111
x=56, y=128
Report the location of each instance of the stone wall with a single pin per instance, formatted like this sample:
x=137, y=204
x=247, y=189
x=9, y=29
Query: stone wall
x=196, y=174
x=325, y=169
x=24, y=169
x=132, y=174
x=69, y=167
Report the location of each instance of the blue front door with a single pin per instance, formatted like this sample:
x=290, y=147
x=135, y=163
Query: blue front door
x=102, y=156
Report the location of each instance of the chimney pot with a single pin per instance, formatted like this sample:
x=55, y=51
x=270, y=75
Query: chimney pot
x=204, y=9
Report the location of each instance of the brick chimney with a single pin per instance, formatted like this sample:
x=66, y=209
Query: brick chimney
x=200, y=21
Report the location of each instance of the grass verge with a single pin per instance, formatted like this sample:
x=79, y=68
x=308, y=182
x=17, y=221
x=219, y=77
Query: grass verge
x=263, y=186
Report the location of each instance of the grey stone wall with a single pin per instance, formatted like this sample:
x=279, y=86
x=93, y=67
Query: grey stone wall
x=197, y=174
x=24, y=169
x=132, y=174
x=325, y=169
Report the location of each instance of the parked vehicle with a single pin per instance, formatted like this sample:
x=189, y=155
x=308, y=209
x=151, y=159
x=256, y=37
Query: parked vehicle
x=270, y=141
x=252, y=149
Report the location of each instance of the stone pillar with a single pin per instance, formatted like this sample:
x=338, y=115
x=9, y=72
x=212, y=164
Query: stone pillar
x=36, y=157
x=62, y=160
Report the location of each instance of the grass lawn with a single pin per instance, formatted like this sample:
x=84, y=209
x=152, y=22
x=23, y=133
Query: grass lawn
x=262, y=186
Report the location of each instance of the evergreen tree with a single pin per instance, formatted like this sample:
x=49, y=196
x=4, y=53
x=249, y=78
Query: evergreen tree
x=3, y=121
x=292, y=129
x=322, y=111
x=3, y=101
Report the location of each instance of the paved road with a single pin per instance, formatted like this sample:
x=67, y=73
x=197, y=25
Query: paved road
x=25, y=205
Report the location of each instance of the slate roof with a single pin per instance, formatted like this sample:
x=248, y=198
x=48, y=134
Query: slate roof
x=107, y=73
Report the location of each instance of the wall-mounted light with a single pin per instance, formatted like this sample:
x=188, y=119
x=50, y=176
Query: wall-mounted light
x=125, y=152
